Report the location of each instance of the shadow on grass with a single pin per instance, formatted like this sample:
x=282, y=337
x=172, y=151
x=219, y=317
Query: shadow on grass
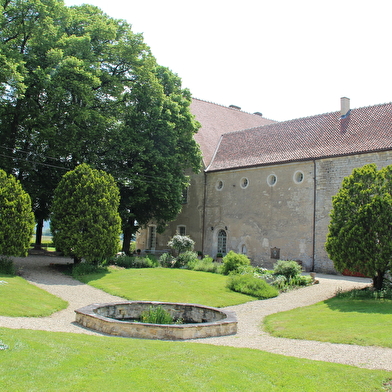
x=93, y=276
x=370, y=306
x=66, y=269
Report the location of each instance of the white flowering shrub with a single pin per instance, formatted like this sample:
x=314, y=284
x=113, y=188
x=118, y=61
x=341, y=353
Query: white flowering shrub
x=181, y=243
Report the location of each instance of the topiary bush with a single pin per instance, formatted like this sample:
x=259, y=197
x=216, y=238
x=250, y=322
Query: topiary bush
x=287, y=268
x=16, y=217
x=85, y=222
x=251, y=285
x=233, y=261
x=7, y=266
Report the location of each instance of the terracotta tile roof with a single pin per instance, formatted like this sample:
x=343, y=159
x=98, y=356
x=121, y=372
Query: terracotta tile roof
x=217, y=120
x=363, y=130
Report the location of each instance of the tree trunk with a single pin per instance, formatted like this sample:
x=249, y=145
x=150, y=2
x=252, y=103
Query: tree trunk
x=127, y=237
x=38, y=235
x=77, y=260
x=378, y=280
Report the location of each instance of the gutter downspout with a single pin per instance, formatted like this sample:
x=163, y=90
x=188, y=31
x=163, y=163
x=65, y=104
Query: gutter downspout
x=203, y=229
x=314, y=215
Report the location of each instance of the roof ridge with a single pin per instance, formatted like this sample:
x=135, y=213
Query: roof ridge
x=327, y=113
x=229, y=108
x=312, y=137
x=373, y=106
x=308, y=117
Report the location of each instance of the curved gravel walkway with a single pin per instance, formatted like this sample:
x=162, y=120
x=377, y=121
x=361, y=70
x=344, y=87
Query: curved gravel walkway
x=37, y=271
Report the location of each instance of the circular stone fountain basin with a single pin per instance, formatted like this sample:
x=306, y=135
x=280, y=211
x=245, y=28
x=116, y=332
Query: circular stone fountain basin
x=117, y=319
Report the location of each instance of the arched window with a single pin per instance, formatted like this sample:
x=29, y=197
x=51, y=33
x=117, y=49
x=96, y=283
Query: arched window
x=222, y=236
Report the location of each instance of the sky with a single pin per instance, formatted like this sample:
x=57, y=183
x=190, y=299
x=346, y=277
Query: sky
x=286, y=59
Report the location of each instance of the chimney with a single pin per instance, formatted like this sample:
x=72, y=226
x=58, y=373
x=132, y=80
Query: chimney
x=344, y=106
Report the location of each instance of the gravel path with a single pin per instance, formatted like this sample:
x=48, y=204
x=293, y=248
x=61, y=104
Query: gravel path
x=37, y=271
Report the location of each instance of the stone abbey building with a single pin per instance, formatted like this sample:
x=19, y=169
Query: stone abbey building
x=266, y=189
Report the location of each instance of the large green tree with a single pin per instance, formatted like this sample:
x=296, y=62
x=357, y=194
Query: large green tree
x=157, y=148
x=85, y=221
x=359, y=237
x=16, y=217
x=80, y=86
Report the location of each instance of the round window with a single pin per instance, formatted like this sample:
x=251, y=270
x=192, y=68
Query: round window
x=298, y=177
x=244, y=182
x=271, y=180
x=219, y=185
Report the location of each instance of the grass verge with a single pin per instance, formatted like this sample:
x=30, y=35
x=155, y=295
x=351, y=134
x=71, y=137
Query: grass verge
x=20, y=298
x=51, y=361
x=168, y=285
x=365, y=322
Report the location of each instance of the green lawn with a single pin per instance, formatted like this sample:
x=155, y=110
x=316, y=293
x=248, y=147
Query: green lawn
x=169, y=285
x=48, y=361
x=365, y=322
x=46, y=240
x=22, y=299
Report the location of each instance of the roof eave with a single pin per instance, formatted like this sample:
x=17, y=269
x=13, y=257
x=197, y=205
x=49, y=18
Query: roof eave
x=313, y=158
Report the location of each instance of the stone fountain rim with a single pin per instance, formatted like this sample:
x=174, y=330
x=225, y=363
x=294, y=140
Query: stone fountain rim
x=89, y=311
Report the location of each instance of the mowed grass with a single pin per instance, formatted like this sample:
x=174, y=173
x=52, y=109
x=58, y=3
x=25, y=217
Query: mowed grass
x=167, y=285
x=365, y=322
x=46, y=240
x=51, y=361
x=20, y=298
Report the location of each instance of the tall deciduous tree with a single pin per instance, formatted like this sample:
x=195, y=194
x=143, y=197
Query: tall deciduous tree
x=359, y=235
x=157, y=148
x=16, y=217
x=85, y=222
x=83, y=88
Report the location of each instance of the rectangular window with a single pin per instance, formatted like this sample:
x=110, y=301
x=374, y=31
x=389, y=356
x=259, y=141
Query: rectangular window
x=152, y=237
x=185, y=196
x=181, y=230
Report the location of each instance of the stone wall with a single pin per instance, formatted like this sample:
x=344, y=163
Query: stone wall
x=273, y=210
x=258, y=215
x=203, y=321
x=330, y=173
x=191, y=216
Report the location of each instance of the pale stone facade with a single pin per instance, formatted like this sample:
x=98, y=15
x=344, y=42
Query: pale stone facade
x=330, y=173
x=190, y=218
x=271, y=211
x=267, y=191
